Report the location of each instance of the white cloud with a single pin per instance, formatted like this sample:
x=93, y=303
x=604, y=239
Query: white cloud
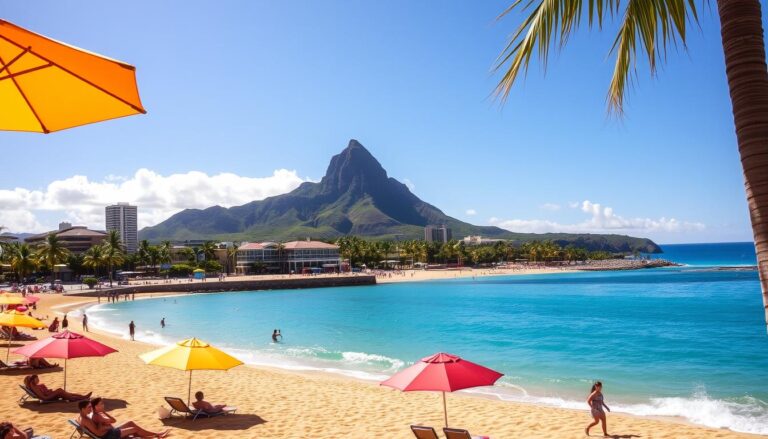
x=81, y=201
x=471, y=212
x=409, y=184
x=601, y=220
x=550, y=206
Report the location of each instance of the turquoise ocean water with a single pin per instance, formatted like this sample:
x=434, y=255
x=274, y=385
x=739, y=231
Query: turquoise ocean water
x=688, y=341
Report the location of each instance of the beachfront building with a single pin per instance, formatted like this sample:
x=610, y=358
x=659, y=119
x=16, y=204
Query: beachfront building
x=437, y=233
x=479, y=240
x=76, y=239
x=123, y=218
x=289, y=257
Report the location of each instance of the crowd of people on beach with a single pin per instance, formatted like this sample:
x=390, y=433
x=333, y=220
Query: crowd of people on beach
x=93, y=416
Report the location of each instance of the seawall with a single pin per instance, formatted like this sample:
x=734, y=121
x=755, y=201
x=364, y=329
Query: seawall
x=234, y=285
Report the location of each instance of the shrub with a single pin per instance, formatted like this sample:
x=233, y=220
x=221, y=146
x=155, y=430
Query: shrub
x=180, y=270
x=90, y=281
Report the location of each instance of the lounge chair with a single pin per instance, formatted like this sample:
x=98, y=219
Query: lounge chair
x=179, y=406
x=82, y=431
x=31, y=395
x=457, y=433
x=15, y=366
x=422, y=432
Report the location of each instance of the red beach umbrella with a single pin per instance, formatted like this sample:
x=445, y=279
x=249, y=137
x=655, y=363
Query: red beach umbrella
x=66, y=345
x=442, y=372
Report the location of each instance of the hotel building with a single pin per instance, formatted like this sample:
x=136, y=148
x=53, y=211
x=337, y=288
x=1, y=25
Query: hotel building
x=439, y=233
x=293, y=257
x=122, y=217
x=76, y=239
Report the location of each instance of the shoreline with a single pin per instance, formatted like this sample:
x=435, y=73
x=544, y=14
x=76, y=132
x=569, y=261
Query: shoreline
x=268, y=395
x=339, y=375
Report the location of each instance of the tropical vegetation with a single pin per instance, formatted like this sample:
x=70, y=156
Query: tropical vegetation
x=361, y=252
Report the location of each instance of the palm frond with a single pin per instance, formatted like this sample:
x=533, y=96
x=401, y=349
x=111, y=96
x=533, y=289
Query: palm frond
x=652, y=25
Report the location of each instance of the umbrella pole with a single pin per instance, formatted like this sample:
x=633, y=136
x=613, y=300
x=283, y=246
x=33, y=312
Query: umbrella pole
x=445, y=410
x=65, y=374
x=189, y=391
x=8, y=351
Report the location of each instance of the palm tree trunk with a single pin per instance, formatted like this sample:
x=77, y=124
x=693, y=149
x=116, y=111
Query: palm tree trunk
x=741, y=29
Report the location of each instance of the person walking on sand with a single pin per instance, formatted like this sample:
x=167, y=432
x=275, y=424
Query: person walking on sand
x=85, y=323
x=596, y=403
x=132, y=330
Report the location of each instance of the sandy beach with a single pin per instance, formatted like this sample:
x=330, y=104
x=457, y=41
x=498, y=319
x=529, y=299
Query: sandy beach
x=275, y=403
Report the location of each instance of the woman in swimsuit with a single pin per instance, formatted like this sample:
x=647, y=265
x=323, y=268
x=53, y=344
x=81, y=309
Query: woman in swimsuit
x=101, y=423
x=596, y=403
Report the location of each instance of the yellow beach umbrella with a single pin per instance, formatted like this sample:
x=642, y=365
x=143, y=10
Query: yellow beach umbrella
x=47, y=86
x=17, y=319
x=191, y=354
x=11, y=299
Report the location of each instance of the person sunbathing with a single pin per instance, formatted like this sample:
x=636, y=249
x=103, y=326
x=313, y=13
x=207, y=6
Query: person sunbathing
x=201, y=404
x=94, y=418
x=44, y=393
x=9, y=431
x=40, y=363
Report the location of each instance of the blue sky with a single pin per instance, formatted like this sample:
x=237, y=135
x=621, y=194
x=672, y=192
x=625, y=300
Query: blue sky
x=257, y=96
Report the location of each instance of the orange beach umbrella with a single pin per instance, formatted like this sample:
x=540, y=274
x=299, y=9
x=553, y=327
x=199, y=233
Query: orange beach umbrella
x=47, y=86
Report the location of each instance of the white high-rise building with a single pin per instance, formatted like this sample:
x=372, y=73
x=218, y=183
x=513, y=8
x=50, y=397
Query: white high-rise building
x=123, y=218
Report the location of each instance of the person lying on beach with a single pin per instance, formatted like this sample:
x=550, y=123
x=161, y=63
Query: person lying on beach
x=8, y=431
x=104, y=423
x=45, y=394
x=201, y=404
x=40, y=363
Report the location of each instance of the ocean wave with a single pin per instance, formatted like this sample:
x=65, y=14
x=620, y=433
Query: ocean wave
x=393, y=364
x=745, y=414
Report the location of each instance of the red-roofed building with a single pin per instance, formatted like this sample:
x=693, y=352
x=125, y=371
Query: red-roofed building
x=289, y=257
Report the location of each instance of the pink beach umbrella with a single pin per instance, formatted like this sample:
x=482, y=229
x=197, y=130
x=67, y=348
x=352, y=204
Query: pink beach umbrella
x=66, y=345
x=442, y=373
x=31, y=299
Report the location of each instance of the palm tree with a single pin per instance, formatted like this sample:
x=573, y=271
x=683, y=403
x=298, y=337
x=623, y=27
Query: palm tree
x=22, y=259
x=113, y=252
x=280, y=249
x=51, y=253
x=232, y=258
x=165, y=252
x=653, y=26
x=94, y=258
x=142, y=252
x=153, y=257
x=209, y=250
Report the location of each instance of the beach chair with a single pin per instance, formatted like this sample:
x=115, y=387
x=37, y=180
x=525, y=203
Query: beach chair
x=180, y=407
x=457, y=433
x=30, y=395
x=82, y=431
x=422, y=432
x=15, y=366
